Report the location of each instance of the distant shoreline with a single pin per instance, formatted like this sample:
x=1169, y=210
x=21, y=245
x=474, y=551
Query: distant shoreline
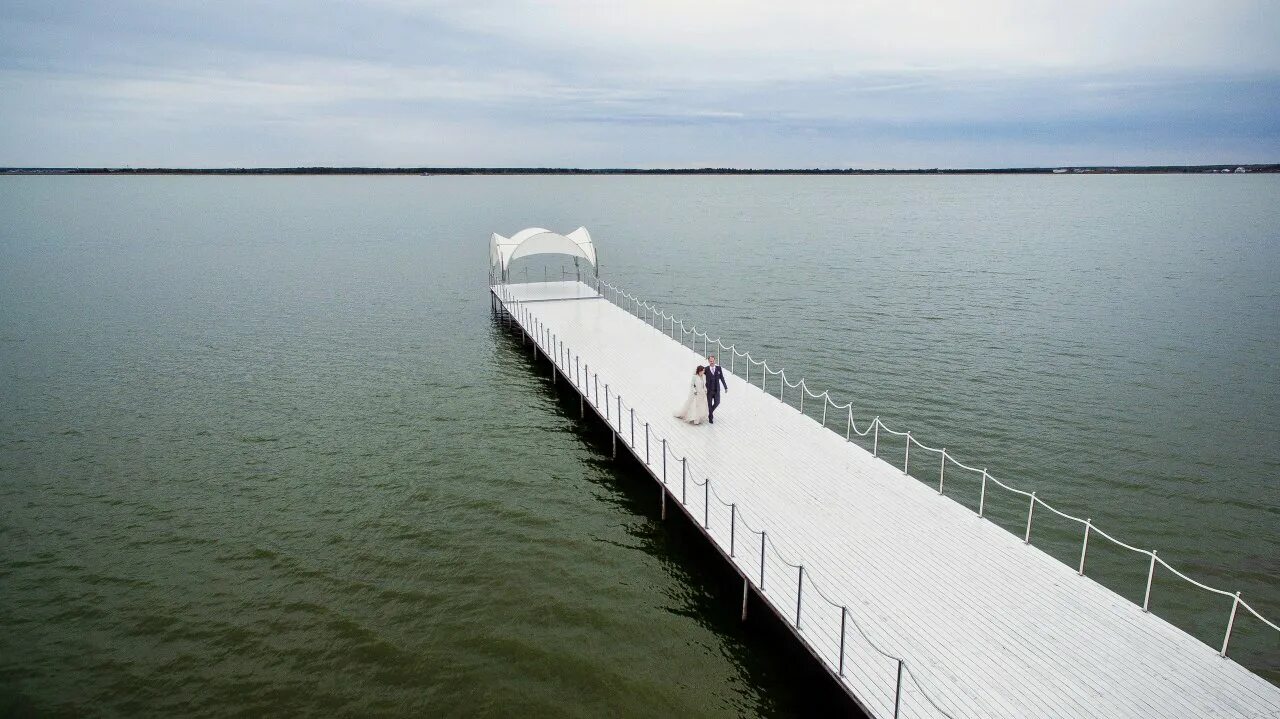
x=1064, y=170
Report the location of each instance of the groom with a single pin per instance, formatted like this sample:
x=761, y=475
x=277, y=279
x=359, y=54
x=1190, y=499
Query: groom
x=715, y=378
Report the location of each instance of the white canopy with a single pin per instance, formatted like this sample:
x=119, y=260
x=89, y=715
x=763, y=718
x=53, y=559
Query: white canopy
x=537, y=241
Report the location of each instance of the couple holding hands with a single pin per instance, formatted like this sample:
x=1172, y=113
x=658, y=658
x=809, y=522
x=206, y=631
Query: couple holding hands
x=704, y=394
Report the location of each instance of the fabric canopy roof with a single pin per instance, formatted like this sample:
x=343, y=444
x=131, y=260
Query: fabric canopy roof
x=537, y=241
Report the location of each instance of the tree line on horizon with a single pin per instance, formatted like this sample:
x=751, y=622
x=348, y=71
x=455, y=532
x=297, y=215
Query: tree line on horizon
x=1095, y=169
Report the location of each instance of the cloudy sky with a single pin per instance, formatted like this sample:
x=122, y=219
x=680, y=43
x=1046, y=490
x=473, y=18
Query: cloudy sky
x=656, y=83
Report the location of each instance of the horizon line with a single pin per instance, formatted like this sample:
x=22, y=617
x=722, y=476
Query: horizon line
x=1220, y=168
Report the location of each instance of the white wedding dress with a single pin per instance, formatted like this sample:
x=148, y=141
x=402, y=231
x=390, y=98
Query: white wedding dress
x=694, y=410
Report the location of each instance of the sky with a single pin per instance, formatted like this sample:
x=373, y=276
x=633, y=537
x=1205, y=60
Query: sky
x=654, y=83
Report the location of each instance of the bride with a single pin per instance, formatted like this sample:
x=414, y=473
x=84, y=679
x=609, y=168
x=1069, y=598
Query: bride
x=694, y=410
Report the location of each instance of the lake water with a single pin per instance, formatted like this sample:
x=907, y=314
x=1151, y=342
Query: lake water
x=262, y=449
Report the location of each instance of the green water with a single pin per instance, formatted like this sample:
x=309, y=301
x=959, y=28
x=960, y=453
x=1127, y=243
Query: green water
x=263, y=451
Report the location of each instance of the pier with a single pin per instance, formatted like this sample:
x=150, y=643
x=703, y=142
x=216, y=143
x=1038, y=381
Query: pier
x=914, y=604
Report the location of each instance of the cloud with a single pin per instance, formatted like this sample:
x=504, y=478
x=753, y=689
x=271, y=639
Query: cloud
x=571, y=82
x=762, y=39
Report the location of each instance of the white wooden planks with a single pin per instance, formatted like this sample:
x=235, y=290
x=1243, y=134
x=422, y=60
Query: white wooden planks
x=989, y=626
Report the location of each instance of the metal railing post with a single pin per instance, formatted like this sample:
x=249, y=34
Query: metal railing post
x=733, y=527
x=906, y=457
x=844, y=611
x=664, y=460
x=942, y=473
x=1026, y=539
x=633, y=427
x=684, y=477
x=606, y=402
x=1230, y=623
x=762, y=539
x=897, y=695
x=706, y=504
x=619, y=412
x=596, y=380
x=1084, y=548
x=646, y=444
x=799, y=593
x=875, y=442
x=1151, y=575
x=982, y=497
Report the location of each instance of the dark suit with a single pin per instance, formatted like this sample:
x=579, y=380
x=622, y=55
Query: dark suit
x=715, y=378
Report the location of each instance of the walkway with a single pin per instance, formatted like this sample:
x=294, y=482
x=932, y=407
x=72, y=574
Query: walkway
x=988, y=626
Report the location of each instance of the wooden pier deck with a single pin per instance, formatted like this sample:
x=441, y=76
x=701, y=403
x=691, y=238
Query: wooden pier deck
x=985, y=624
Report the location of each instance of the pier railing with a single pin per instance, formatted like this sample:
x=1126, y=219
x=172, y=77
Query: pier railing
x=690, y=335
x=825, y=626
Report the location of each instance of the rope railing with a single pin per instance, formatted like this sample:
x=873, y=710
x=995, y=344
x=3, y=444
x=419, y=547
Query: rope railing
x=622, y=419
x=876, y=425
